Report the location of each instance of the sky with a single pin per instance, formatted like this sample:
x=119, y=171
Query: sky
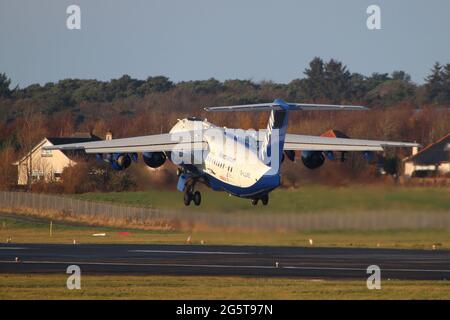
x=225, y=39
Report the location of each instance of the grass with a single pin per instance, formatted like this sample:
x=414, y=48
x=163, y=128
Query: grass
x=170, y=287
x=311, y=199
x=30, y=229
x=25, y=229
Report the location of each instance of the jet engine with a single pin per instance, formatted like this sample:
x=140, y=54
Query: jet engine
x=290, y=154
x=118, y=161
x=154, y=159
x=313, y=159
x=369, y=156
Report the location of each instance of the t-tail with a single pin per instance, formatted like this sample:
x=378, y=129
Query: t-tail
x=271, y=148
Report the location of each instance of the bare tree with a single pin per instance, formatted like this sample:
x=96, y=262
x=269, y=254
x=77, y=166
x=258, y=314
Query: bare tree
x=32, y=130
x=7, y=172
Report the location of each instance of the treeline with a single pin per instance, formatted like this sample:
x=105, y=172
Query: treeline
x=323, y=81
x=401, y=109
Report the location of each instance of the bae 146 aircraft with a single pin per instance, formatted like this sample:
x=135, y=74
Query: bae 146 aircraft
x=242, y=163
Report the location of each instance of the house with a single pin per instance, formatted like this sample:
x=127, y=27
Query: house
x=434, y=160
x=47, y=165
x=334, y=134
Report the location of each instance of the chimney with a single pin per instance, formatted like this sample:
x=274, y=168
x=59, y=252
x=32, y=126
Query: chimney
x=109, y=135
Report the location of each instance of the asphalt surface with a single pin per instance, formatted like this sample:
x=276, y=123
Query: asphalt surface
x=327, y=263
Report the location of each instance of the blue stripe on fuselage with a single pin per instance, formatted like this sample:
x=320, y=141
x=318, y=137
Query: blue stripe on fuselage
x=264, y=185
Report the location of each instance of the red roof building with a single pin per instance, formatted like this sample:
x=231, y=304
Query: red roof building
x=433, y=160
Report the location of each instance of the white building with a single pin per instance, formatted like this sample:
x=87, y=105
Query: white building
x=434, y=160
x=47, y=165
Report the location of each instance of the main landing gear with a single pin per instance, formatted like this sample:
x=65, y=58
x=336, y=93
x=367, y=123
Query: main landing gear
x=190, y=195
x=264, y=199
x=189, y=183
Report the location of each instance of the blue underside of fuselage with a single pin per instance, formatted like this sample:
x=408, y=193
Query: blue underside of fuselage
x=262, y=186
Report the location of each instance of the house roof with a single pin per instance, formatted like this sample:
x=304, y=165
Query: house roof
x=76, y=138
x=334, y=134
x=434, y=153
x=64, y=140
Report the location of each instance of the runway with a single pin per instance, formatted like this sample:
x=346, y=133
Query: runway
x=324, y=263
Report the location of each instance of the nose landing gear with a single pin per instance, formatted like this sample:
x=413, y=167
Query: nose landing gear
x=264, y=199
x=197, y=198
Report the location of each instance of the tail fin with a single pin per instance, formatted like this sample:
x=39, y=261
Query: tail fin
x=277, y=125
x=271, y=149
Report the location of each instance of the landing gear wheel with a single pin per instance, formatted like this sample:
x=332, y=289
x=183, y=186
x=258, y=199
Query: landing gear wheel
x=197, y=198
x=254, y=202
x=265, y=199
x=187, y=198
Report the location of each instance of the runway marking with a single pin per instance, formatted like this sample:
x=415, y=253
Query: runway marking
x=188, y=252
x=218, y=266
x=361, y=269
x=13, y=248
x=137, y=264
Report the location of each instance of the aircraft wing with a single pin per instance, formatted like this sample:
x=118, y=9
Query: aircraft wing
x=315, y=143
x=188, y=140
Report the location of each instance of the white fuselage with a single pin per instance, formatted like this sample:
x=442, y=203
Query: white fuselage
x=227, y=159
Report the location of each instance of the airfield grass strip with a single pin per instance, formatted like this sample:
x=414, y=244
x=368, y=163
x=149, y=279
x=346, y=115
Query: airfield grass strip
x=38, y=286
x=29, y=229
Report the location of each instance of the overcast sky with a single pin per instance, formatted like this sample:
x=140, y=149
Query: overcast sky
x=225, y=39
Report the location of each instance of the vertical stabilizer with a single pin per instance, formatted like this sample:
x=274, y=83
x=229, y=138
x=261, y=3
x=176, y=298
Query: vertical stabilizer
x=271, y=148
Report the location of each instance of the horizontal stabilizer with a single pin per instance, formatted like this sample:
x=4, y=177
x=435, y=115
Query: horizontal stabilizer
x=279, y=104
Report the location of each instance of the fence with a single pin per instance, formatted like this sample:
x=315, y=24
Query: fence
x=149, y=218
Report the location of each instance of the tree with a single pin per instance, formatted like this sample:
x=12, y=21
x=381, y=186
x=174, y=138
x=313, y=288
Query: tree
x=90, y=175
x=5, y=82
x=391, y=92
x=446, y=83
x=31, y=132
x=204, y=87
x=331, y=81
x=401, y=75
x=313, y=84
x=156, y=84
x=434, y=85
x=8, y=172
x=375, y=79
x=358, y=86
x=337, y=81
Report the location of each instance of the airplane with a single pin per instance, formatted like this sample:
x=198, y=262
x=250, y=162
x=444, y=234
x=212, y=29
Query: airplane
x=242, y=163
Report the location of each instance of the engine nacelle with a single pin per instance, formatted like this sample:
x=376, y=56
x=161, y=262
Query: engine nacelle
x=330, y=155
x=369, y=156
x=118, y=161
x=154, y=159
x=290, y=154
x=313, y=159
